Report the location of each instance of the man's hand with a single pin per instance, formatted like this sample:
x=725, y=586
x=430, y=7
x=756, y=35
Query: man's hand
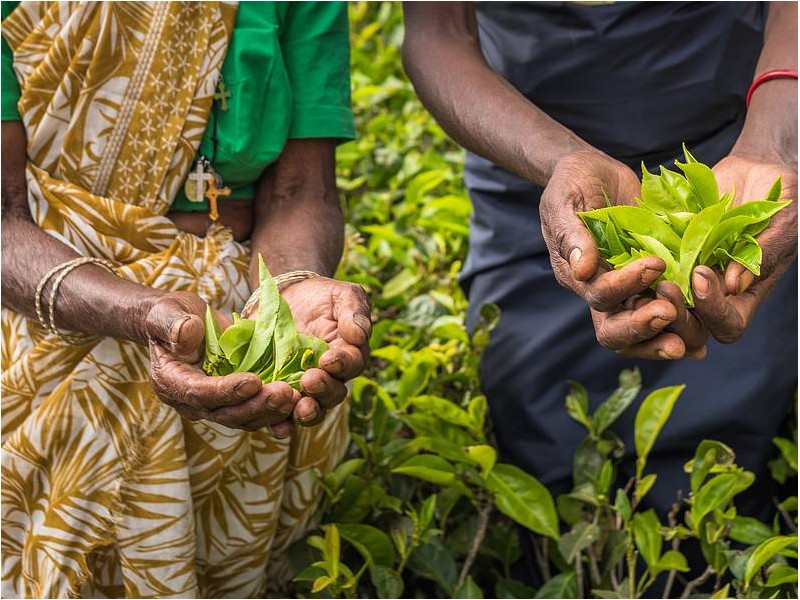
x=339, y=313
x=625, y=322
x=175, y=335
x=726, y=305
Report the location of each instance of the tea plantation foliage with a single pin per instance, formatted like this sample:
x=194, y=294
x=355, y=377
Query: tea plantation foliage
x=420, y=507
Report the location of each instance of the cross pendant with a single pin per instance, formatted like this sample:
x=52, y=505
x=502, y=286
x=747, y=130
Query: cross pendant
x=212, y=193
x=222, y=95
x=195, y=187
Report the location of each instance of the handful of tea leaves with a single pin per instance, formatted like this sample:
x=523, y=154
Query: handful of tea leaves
x=683, y=220
x=269, y=346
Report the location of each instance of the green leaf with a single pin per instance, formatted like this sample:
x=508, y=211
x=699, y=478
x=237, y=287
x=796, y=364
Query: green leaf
x=702, y=181
x=622, y=505
x=511, y=588
x=521, y=497
x=269, y=303
x=443, y=409
x=659, y=195
x=477, y=413
x=716, y=493
x=582, y=535
x=672, y=560
x=563, y=585
x=774, y=193
x=485, y=456
x=673, y=271
x=373, y=545
x=697, y=235
x=387, y=582
x=763, y=553
x=415, y=377
x=400, y=283
x=433, y=562
x=647, y=537
x=748, y=530
x=433, y=469
x=332, y=550
x=469, y=589
x=781, y=575
x=650, y=418
x=788, y=451
x=643, y=486
x=578, y=404
x=321, y=583
x=212, y=333
x=709, y=454
x=723, y=592
x=634, y=219
x=630, y=383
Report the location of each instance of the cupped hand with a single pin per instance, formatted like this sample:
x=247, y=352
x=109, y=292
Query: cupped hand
x=175, y=336
x=726, y=304
x=624, y=321
x=339, y=313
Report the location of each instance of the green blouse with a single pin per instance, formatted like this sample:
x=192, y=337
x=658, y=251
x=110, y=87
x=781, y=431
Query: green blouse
x=288, y=73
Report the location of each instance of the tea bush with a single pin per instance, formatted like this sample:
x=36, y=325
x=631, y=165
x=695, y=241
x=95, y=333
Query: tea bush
x=420, y=507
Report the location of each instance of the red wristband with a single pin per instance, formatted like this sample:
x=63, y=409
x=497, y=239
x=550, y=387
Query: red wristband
x=769, y=76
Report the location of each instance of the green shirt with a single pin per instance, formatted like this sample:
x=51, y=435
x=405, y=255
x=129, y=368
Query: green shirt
x=288, y=71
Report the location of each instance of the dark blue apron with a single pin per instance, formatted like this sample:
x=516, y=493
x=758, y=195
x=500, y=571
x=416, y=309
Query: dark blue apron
x=635, y=79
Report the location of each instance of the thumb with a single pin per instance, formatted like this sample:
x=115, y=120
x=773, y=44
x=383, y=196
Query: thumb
x=174, y=322
x=574, y=243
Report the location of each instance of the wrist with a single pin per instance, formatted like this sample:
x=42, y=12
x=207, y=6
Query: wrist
x=770, y=129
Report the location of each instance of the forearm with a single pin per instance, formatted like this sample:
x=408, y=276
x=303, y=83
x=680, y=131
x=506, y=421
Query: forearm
x=479, y=109
x=770, y=129
x=90, y=299
x=299, y=223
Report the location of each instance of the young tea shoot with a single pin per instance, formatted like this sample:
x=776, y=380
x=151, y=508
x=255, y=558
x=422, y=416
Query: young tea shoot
x=269, y=345
x=683, y=220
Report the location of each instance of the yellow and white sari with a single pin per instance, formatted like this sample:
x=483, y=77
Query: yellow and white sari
x=105, y=490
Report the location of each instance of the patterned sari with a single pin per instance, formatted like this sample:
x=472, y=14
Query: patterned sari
x=105, y=490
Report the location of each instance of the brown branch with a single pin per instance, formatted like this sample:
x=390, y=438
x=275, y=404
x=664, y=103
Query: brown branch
x=480, y=535
x=542, y=559
x=594, y=570
x=672, y=520
x=579, y=574
x=697, y=581
x=786, y=516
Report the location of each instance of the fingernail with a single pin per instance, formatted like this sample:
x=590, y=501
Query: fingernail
x=363, y=322
x=663, y=354
x=175, y=330
x=745, y=279
x=310, y=417
x=701, y=285
x=575, y=256
x=247, y=388
x=334, y=364
x=649, y=275
x=659, y=322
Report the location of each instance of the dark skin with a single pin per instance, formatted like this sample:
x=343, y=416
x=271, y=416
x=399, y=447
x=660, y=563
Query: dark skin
x=94, y=301
x=442, y=56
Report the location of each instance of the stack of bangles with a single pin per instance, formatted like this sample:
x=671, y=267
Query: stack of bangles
x=769, y=76
x=60, y=272
x=282, y=279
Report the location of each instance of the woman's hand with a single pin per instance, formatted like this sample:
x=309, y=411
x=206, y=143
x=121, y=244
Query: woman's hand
x=625, y=322
x=175, y=336
x=339, y=313
x=727, y=304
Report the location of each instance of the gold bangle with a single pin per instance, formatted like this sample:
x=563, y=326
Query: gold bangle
x=65, y=269
x=282, y=279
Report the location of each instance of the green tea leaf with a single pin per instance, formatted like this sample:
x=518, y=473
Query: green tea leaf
x=634, y=219
x=646, y=536
x=469, y=589
x=266, y=319
x=697, y=235
x=582, y=535
x=235, y=341
x=650, y=418
x=212, y=333
x=387, y=582
x=763, y=553
x=578, y=404
x=374, y=546
x=521, y=497
x=672, y=560
x=709, y=453
x=702, y=181
x=563, y=585
x=748, y=530
x=716, y=493
x=630, y=383
x=781, y=575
